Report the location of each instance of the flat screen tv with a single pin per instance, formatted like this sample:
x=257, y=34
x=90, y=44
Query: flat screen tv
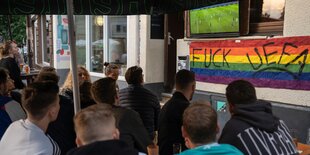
x=215, y=21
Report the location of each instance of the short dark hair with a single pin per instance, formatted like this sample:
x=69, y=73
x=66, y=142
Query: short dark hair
x=85, y=93
x=240, y=92
x=47, y=69
x=134, y=75
x=104, y=90
x=3, y=75
x=48, y=76
x=200, y=123
x=184, y=78
x=38, y=96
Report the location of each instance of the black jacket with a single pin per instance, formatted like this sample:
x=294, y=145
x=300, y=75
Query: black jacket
x=170, y=122
x=253, y=129
x=62, y=129
x=143, y=101
x=132, y=130
x=109, y=147
x=11, y=65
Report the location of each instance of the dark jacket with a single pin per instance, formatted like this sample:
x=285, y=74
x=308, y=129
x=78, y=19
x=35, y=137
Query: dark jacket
x=253, y=129
x=170, y=122
x=109, y=147
x=13, y=68
x=132, y=130
x=66, y=92
x=143, y=101
x=62, y=129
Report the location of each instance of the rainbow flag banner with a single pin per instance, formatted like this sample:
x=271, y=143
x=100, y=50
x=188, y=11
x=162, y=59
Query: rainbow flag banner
x=274, y=63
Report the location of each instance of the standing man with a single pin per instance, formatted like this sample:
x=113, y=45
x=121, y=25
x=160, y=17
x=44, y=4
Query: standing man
x=252, y=128
x=141, y=100
x=129, y=123
x=170, y=118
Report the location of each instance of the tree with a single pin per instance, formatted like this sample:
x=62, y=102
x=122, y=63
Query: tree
x=18, y=27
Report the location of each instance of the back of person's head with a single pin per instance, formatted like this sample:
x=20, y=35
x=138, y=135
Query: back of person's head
x=48, y=76
x=240, y=92
x=104, y=91
x=38, y=97
x=134, y=75
x=85, y=93
x=184, y=78
x=95, y=123
x=47, y=69
x=200, y=123
x=4, y=77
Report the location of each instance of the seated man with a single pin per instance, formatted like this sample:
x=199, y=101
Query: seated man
x=129, y=123
x=97, y=133
x=41, y=102
x=199, y=131
x=252, y=128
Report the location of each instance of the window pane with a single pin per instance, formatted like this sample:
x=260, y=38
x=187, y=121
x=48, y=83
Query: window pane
x=267, y=11
x=117, y=41
x=97, y=44
x=80, y=39
x=47, y=53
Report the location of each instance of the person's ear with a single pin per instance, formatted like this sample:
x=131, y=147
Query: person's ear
x=186, y=138
x=184, y=134
x=116, y=134
x=78, y=141
x=231, y=108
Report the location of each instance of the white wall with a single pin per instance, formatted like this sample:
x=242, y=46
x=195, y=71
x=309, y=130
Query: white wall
x=296, y=97
x=297, y=18
x=151, y=53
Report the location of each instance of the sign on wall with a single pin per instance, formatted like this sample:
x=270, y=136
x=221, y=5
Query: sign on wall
x=275, y=63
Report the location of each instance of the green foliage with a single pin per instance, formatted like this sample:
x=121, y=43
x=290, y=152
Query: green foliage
x=18, y=27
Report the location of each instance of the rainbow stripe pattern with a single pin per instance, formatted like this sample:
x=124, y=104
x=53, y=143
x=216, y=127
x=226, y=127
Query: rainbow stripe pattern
x=274, y=63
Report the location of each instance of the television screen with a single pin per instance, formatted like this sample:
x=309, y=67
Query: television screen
x=215, y=19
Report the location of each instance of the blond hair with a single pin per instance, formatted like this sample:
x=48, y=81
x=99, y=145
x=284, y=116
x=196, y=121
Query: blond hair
x=94, y=123
x=68, y=84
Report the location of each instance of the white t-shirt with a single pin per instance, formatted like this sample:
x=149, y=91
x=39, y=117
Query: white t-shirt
x=25, y=138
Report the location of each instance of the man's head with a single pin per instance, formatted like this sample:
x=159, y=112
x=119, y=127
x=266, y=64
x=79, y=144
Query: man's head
x=40, y=100
x=134, y=75
x=48, y=76
x=104, y=91
x=199, y=125
x=47, y=69
x=240, y=92
x=95, y=123
x=10, y=48
x=185, y=82
x=112, y=71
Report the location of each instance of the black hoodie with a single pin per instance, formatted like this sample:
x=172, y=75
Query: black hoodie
x=109, y=147
x=253, y=129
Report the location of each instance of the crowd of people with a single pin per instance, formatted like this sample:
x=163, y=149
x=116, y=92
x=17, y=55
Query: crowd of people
x=126, y=121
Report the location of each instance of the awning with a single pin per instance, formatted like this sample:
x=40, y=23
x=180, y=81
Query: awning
x=102, y=7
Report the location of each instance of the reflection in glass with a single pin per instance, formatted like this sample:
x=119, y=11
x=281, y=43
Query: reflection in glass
x=267, y=10
x=80, y=39
x=117, y=53
x=96, y=64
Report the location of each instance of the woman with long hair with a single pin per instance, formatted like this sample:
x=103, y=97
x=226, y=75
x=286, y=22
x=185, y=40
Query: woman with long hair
x=67, y=88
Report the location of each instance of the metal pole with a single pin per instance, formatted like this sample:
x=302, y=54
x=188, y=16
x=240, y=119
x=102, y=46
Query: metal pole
x=76, y=93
